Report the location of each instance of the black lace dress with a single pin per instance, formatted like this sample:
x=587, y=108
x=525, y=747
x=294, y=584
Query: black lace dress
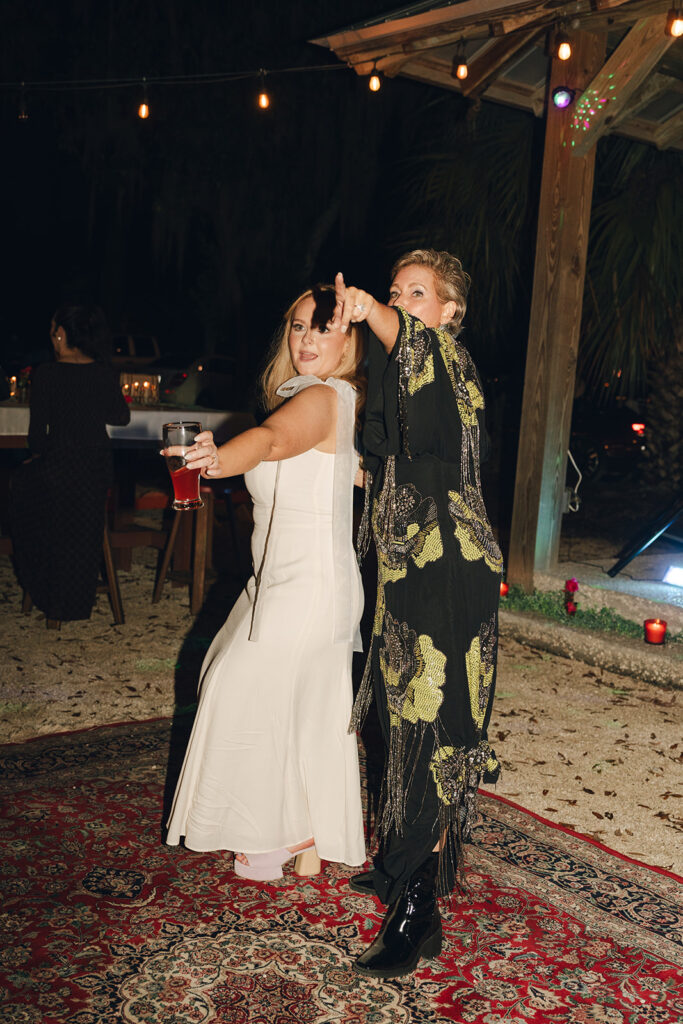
x=58, y=497
x=432, y=658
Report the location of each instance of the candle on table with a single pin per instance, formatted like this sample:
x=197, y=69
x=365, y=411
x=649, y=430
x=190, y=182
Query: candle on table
x=655, y=631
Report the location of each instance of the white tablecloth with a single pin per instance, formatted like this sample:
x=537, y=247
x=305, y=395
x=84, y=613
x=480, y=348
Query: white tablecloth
x=145, y=424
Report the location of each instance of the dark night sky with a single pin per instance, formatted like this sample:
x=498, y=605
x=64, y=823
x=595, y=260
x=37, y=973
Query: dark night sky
x=201, y=223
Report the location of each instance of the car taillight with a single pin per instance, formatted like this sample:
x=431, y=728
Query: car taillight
x=638, y=428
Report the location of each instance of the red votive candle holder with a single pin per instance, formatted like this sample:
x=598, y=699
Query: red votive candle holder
x=655, y=631
x=504, y=588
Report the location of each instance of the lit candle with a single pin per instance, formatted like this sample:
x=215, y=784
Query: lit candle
x=504, y=587
x=655, y=631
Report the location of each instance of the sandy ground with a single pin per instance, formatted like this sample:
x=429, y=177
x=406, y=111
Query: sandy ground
x=592, y=750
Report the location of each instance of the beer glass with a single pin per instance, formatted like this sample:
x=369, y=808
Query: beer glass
x=185, y=479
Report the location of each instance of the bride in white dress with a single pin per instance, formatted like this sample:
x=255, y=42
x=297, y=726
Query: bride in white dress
x=270, y=770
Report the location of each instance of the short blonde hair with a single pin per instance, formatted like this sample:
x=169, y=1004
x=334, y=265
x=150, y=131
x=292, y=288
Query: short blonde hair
x=452, y=282
x=280, y=367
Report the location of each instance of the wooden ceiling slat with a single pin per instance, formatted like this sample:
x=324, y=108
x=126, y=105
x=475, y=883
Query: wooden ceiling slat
x=418, y=25
x=482, y=69
x=649, y=90
x=671, y=132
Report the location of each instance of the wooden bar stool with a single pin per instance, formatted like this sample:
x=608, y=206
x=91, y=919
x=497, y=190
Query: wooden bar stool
x=109, y=585
x=201, y=549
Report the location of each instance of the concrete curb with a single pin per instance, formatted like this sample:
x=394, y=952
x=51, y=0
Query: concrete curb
x=624, y=655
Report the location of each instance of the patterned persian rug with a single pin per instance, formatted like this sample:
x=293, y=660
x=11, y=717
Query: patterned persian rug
x=102, y=922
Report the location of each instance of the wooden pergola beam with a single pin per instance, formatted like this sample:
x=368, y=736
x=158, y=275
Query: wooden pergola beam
x=430, y=30
x=554, y=323
x=610, y=91
x=482, y=69
x=439, y=21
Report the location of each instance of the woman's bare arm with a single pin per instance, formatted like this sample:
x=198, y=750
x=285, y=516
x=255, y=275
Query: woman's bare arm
x=306, y=421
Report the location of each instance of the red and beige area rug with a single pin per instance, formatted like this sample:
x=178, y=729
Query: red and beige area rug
x=102, y=922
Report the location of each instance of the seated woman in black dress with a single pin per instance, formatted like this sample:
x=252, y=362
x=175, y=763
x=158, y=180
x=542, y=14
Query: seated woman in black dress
x=58, y=495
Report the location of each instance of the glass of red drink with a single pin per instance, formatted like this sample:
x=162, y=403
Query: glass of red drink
x=185, y=479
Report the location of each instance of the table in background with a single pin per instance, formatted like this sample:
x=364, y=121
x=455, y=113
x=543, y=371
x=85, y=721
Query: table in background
x=145, y=427
x=143, y=433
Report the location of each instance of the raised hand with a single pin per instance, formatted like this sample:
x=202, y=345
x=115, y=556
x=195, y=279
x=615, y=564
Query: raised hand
x=352, y=305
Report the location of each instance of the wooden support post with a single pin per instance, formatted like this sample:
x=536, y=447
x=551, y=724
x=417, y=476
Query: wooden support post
x=561, y=244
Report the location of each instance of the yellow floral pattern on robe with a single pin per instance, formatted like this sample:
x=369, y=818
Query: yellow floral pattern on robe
x=472, y=528
x=414, y=672
x=413, y=532
x=467, y=392
x=480, y=661
x=418, y=355
x=457, y=770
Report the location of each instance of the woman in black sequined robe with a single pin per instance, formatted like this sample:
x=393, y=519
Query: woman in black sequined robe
x=432, y=659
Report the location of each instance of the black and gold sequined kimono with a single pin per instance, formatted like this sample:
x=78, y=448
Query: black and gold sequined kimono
x=432, y=659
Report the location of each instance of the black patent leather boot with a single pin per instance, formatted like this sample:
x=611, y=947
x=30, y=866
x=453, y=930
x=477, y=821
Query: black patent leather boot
x=411, y=928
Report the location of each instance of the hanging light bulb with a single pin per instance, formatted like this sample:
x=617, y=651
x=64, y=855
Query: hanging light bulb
x=22, y=115
x=143, y=109
x=674, y=23
x=563, y=47
x=375, y=82
x=263, y=97
x=459, y=69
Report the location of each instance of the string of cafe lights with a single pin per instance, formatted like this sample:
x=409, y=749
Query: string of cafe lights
x=562, y=96
x=146, y=84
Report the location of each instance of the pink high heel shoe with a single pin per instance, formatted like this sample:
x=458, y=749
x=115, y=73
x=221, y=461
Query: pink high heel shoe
x=267, y=867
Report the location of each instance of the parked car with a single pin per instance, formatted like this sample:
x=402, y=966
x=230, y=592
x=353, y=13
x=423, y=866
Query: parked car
x=209, y=380
x=134, y=350
x=607, y=440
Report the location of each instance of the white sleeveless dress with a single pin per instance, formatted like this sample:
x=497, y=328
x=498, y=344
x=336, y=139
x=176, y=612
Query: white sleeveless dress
x=270, y=762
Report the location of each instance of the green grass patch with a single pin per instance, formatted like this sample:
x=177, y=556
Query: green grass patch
x=550, y=604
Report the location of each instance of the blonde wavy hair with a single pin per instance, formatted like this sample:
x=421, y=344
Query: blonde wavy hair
x=280, y=368
x=452, y=282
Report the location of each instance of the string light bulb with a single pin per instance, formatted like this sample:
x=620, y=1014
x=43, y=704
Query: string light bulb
x=674, y=23
x=563, y=47
x=460, y=69
x=143, y=109
x=22, y=115
x=375, y=83
x=263, y=97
